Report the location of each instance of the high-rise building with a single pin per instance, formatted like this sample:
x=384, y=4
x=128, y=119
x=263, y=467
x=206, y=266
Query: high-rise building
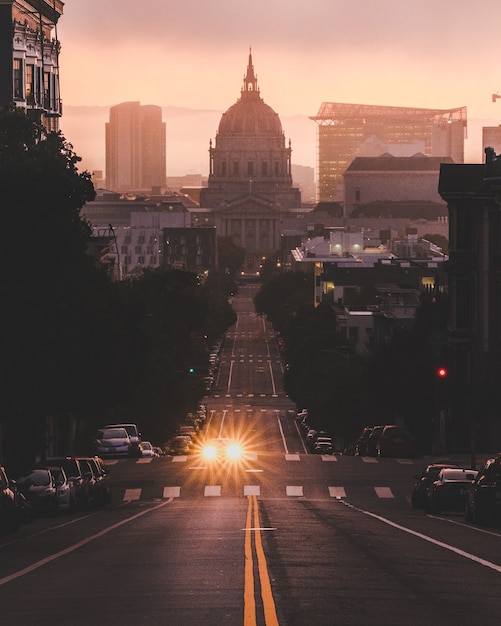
x=349, y=130
x=491, y=138
x=29, y=58
x=135, y=148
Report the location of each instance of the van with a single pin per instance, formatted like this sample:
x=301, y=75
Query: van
x=134, y=436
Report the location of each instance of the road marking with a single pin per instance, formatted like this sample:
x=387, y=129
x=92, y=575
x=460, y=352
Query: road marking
x=328, y=457
x=337, y=492
x=441, y=544
x=294, y=490
x=179, y=459
x=383, y=492
x=292, y=457
x=132, y=494
x=172, y=492
x=252, y=490
x=212, y=490
x=253, y=529
x=369, y=459
x=145, y=460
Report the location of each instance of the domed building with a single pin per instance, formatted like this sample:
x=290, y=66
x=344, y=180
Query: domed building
x=250, y=183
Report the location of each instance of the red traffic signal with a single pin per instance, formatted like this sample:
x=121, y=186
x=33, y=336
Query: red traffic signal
x=442, y=372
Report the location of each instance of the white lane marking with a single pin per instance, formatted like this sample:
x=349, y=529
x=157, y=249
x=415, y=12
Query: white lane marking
x=145, y=460
x=294, y=490
x=212, y=490
x=172, y=492
x=328, y=457
x=337, y=492
x=277, y=415
x=252, y=490
x=383, y=492
x=179, y=459
x=75, y=546
x=441, y=544
x=292, y=457
x=369, y=459
x=132, y=494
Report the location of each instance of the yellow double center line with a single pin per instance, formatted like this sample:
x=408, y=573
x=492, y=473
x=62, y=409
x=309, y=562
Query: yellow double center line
x=253, y=528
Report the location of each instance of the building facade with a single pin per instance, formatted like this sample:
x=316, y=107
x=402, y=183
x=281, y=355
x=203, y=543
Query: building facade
x=349, y=130
x=250, y=186
x=473, y=195
x=135, y=148
x=29, y=58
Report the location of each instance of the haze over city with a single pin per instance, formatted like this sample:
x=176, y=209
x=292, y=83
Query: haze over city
x=192, y=55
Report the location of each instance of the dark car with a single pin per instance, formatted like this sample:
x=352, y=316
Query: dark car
x=39, y=489
x=373, y=440
x=100, y=480
x=361, y=444
x=483, y=500
x=10, y=517
x=396, y=441
x=73, y=471
x=423, y=481
x=448, y=492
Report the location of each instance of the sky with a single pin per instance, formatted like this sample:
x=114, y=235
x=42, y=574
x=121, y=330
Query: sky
x=193, y=53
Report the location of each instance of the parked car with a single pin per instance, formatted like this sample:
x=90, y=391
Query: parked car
x=147, y=449
x=423, y=481
x=448, y=492
x=373, y=440
x=113, y=441
x=74, y=473
x=10, y=517
x=39, y=489
x=134, y=437
x=323, y=447
x=102, y=478
x=180, y=446
x=396, y=441
x=483, y=499
x=361, y=444
x=64, y=488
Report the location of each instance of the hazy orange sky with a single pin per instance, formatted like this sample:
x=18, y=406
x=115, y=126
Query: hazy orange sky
x=193, y=53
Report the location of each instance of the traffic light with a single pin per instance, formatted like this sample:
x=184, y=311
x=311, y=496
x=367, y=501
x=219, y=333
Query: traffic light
x=191, y=370
x=442, y=372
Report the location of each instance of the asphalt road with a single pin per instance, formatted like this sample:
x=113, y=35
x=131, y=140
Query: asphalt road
x=282, y=538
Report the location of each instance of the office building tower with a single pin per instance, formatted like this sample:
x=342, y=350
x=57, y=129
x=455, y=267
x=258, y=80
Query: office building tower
x=349, y=130
x=135, y=148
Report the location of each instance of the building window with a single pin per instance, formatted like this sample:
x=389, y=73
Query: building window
x=264, y=168
x=357, y=195
x=250, y=168
x=236, y=169
x=18, y=79
x=223, y=168
x=277, y=168
x=138, y=249
x=30, y=84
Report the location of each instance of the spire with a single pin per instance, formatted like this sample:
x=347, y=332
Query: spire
x=250, y=79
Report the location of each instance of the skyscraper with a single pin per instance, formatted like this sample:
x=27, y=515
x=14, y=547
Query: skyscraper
x=135, y=148
x=349, y=130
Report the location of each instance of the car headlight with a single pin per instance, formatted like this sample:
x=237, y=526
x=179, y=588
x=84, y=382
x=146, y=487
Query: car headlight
x=234, y=451
x=210, y=452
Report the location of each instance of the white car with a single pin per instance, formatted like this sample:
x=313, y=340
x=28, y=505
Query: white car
x=147, y=449
x=113, y=442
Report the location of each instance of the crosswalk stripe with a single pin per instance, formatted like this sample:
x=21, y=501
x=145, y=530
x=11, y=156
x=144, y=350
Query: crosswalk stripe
x=383, y=492
x=132, y=494
x=294, y=490
x=337, y=492
x=212, y=490
x=145, y=460
x=252, y=490
x=328, y=457
x=172, y=492
x=292, y=457
x=369, y=459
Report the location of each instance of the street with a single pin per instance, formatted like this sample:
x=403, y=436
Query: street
x=281, y=537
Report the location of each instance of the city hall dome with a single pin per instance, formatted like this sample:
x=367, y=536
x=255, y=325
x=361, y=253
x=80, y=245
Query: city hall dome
x=250, y=115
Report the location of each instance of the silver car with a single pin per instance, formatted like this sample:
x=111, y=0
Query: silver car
x=113, y=442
